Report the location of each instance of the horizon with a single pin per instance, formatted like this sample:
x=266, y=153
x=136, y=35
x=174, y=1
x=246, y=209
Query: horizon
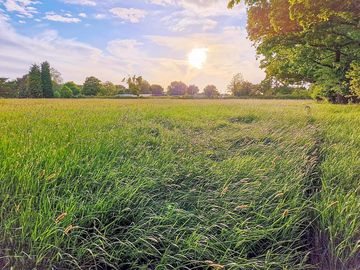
x=155, y=39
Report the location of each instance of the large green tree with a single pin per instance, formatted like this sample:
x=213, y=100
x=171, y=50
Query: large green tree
x=34, y=86
x=92, y=86
x=304, y=41
x=46, y=81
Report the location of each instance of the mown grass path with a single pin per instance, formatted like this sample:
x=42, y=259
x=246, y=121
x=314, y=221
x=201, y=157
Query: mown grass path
x=171, y=184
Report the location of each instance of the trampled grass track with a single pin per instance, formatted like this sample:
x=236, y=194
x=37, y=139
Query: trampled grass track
x=170, y=184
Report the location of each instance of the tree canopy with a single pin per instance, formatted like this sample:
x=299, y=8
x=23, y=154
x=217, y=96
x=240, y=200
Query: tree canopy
x=211, y=91
x=34, y=86
x=157, y=90
x=46, y=82
x=193, y=90
x=92, y=86
x=177, y=89
x=136, y=84
x=75, y=89
x=308, y=42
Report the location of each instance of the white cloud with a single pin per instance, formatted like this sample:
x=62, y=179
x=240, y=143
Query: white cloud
x=82, y=15
x=125, y=48
x=132, y=15
x=59, y=18
x=100, y=16
x=81, y=2
x=24, y=8
x=202, y=14
x=183, y=20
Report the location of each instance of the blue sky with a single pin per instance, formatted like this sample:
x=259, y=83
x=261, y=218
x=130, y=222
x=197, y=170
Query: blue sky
x=114, y=38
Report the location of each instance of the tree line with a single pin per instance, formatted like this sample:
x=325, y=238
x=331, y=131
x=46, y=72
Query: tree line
x=311, y=43
x=43, y=81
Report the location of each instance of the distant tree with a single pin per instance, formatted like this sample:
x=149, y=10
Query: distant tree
x=34, y=87
x=57, y=94
x=46, y=82
x=92, y=86
x=157, y=90
x=145, y=87
x=8, y=88
x=75, y=89
x=134, y=84
x=177, y=89
x=56, y=76
x=239, y=87
x=211, y=91
x=235, y=84
x=22, y=86
x=120, y=89
x=108, y=89
x=65, y=92
x=193, y=90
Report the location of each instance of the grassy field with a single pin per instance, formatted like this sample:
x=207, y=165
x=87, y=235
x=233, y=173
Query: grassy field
x=170, y=184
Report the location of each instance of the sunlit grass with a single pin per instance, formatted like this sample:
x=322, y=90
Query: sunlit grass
x=169, y=184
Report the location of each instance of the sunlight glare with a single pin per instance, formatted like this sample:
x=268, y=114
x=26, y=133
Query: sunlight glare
x=197, y=57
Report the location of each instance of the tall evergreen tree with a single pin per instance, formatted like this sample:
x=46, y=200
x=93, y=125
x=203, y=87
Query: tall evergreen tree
x=46, y=82
x=34, y=87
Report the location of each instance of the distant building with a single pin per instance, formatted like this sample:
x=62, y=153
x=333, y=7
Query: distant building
x=127, y=95
x=146, y=95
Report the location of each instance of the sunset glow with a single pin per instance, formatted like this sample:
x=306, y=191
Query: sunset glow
x=197, y=57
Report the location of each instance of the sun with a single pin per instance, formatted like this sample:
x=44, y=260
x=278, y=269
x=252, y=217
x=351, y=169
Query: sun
x=197, y=57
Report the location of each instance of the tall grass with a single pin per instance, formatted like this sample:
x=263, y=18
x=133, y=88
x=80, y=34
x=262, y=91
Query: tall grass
x=338, y=202
x=171, y=184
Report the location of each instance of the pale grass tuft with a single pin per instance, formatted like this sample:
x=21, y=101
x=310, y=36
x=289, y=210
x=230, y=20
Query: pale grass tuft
x=60, y=217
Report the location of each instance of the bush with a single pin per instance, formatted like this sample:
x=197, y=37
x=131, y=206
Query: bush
x=66, y=92
x=75, y=89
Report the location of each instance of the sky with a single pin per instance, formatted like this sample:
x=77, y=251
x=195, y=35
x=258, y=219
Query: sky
x=196, y=41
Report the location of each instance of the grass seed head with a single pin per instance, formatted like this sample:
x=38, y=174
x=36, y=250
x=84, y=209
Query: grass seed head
x=69, y=229
x=241, y=207
x=60, y=218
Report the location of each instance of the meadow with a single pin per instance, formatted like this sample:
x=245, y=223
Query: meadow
x=179, y=184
